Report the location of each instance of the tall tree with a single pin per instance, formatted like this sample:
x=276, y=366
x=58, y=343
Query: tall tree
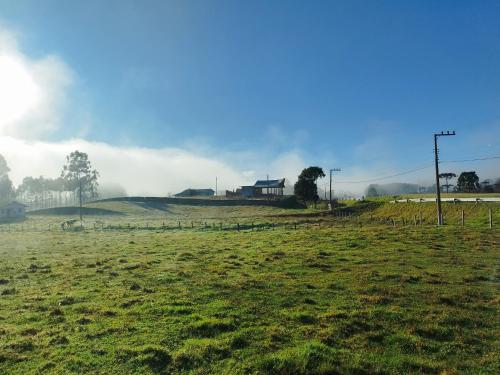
x=6, y=188
x=468, y=182
x=371, y=191
x=79, y=175
x=305, y=188
x=447, y=176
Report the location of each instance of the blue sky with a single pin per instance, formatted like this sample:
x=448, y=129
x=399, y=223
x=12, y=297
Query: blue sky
x=355, y=84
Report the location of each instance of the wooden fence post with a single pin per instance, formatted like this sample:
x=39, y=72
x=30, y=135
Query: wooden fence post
x=491, y=218
x=463, y=218
x=238, y=226
x=393, y=222
x=295, y=226
x=179, y=224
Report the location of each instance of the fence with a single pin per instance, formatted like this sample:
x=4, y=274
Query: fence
x=339, y=219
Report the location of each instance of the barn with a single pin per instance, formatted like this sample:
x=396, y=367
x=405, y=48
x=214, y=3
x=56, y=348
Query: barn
x=12, y=210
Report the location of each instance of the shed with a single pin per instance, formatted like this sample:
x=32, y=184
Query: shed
x=12, y=210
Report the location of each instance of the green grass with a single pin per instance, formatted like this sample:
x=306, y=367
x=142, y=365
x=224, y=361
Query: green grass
x=317, y=300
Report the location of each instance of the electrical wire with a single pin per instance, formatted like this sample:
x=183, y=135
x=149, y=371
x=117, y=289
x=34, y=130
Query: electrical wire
x=416, y=170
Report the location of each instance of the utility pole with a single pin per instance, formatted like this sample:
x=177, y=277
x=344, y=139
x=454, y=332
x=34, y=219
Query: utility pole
x=436, y=162
x=332, y=170
x=80, y=194
x=215, y=186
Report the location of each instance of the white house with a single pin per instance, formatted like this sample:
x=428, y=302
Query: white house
x=12, y=210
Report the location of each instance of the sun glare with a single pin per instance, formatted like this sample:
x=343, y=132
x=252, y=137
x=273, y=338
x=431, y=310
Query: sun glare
x=18, y=91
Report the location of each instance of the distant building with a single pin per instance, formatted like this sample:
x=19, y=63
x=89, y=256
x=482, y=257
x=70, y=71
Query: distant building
x=261, y=189
x=12, y=210
x=196, y=193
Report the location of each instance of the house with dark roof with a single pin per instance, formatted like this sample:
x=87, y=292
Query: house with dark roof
x=196, y=193
x=261, y=189
x=12, y=210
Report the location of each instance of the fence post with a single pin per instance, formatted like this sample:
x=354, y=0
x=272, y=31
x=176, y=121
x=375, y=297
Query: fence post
x=252, y=226
x=463, y=218
x=295, y=224
x=179, y=224
x=192, y=225
x=420, y=216
x=415, y=220
x=238, y=226
x=393, y=222
x=491, y=218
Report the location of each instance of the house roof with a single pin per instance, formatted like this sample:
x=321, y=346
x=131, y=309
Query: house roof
x=12, y=203
x=270, y=183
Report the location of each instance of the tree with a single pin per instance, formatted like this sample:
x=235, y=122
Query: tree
x=496, y=186
x=487, y=186
x=34, y=185
x=6, y=188
x=305, y=188
x=468, y=182
x=79, y=175
x=371, y=191
x=447, y=176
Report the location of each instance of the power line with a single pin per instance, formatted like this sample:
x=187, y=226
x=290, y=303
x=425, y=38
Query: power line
x=477, y=159
x=416, y=170
x=385, y=177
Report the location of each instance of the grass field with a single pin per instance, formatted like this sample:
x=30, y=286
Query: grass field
x=317, y=300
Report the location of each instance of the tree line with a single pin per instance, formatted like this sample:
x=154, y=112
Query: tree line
x=467, y=182
x=77, y=176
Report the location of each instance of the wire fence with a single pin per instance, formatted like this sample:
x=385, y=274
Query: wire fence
x=344, y=219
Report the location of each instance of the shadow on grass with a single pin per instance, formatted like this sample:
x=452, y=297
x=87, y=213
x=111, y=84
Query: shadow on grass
x=56, y=211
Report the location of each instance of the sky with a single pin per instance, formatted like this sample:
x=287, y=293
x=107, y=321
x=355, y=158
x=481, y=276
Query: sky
x=165, y=95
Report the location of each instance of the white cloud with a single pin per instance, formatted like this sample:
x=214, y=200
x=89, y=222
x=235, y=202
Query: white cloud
x=32, y=91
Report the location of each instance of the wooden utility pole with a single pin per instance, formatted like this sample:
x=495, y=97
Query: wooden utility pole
x=80, y=194
x=332, y=170
x=436, y=162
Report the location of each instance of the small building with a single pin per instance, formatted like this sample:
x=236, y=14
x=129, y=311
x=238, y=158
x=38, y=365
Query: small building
x=196, y=193
x=270, y=187
x=12, y=210
x=261, y=189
